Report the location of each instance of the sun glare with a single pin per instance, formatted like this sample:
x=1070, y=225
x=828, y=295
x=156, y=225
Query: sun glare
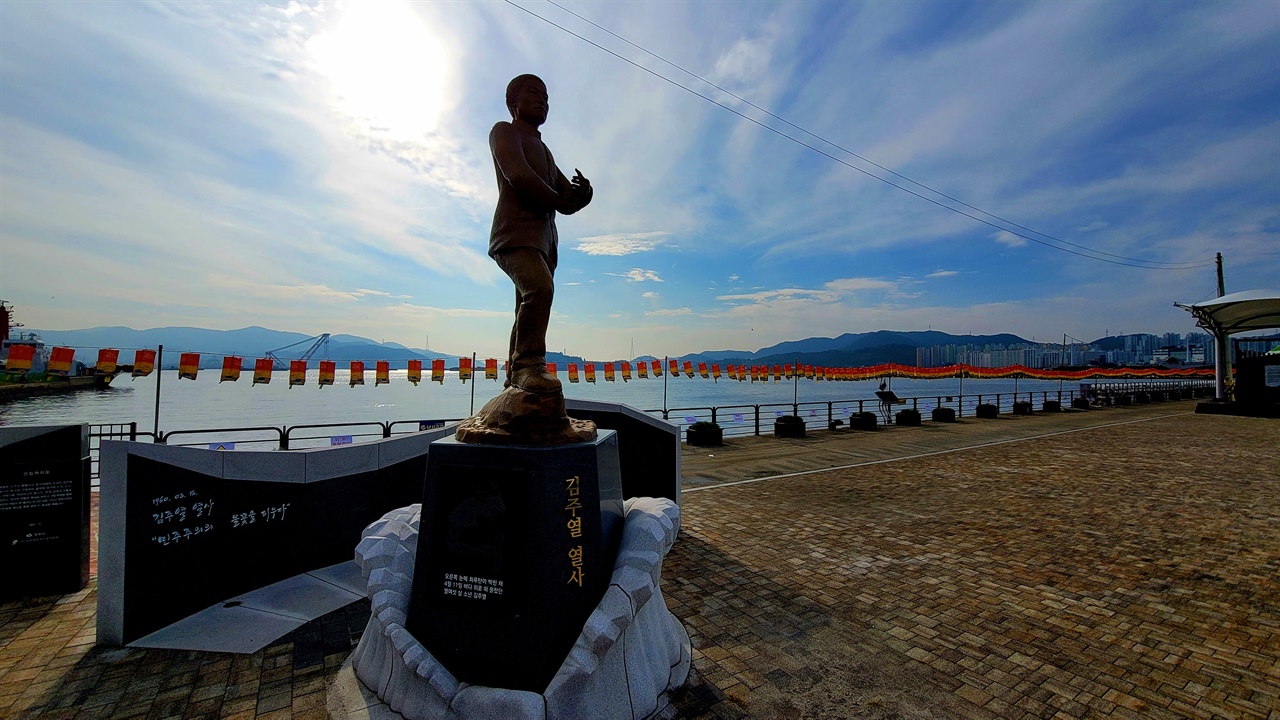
x=387, y=70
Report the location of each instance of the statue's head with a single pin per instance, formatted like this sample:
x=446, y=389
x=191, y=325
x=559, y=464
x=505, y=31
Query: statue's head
x=527, y=99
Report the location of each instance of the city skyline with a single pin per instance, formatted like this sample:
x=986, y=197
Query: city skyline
x=324, y=167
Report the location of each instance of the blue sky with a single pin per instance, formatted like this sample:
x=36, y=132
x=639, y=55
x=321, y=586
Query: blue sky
x=325, y=168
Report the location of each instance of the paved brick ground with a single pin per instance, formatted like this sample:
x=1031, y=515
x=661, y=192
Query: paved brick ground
x=1125, y=571
x=1120, y=571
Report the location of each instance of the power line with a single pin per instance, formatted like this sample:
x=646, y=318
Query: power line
x=1148, y=263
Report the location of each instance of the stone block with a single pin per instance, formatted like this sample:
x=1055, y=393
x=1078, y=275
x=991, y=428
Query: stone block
x=340, y=461
x=272, y=465
x=476, y=701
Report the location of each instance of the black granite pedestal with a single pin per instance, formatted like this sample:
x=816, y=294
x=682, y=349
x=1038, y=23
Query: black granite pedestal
x=44, y=510
x=515, y=550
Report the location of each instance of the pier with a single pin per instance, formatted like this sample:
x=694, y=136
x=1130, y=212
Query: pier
x=1115, y=562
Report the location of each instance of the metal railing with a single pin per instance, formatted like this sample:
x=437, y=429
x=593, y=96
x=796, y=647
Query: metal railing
x=742, y=420
x=735, y=420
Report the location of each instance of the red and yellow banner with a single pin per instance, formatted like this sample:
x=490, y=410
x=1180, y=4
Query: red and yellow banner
x=107, y=359
x=144, y=361
x=327, y=370
x=262, y=368
x=297, y=372
x=60, y=361
x=189, y=365
x=20, y=357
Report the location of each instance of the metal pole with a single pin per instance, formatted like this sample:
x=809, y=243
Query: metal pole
x=473, y=383
x=795, y=387
x=1221, y=354
x=159, y=370
x=665, y=375
x=1062, y=362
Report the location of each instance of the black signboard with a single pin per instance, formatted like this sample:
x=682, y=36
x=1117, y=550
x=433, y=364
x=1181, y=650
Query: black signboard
x=44, y=510
x=192, y=539
x=516, y=548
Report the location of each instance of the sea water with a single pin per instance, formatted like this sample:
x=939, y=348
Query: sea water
x=208, y=403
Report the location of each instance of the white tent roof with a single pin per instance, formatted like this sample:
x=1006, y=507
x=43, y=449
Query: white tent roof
x=1238, y=312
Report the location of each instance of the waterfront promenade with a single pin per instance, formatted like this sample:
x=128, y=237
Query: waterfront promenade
x=1109, y=563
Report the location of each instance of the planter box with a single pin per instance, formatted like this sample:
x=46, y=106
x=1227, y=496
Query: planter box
x=704, y=435
x=1080, y=403
x=863, y=421
x=908, y=417
x=1124, y=400
x=1158, y=396
x=1142, y=398
x=1022, y=408
x=1053, y=406
x=988, y=411
x=942, y=414
x=788, y=426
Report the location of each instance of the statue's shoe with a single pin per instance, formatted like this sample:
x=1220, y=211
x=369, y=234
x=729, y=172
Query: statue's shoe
x=536, y=381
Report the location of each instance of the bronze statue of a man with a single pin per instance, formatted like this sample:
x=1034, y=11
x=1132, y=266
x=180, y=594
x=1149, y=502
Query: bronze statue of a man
x=531, y=190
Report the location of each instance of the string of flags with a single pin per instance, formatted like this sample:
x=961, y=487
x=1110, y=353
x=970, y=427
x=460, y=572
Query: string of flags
x=60, y=363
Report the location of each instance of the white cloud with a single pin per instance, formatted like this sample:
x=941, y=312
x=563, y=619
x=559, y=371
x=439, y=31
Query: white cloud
x=1008, y=239
x=651, y=294
x=638, y=275
x=831, y=292
x=670, y=313
x=943, y=273
x=622, y=243
x=733, y=278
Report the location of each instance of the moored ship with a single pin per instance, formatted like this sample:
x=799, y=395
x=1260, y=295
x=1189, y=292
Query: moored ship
x=25, y=360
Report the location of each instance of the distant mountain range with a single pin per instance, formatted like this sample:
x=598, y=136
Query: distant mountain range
x=849, y=349
x=852, y=349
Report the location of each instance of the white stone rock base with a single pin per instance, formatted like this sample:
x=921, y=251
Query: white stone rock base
x=631, y=653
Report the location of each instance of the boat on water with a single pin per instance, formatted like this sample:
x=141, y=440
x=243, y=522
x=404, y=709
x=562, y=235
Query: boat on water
x=31, y=375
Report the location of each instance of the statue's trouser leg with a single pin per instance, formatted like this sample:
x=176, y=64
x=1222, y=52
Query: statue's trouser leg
x=533, y=277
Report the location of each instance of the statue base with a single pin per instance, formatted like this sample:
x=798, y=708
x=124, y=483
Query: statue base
x=519, y=417
x=630, y=654
x=517, y=547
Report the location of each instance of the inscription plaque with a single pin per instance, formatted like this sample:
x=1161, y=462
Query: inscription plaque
x=44, y=510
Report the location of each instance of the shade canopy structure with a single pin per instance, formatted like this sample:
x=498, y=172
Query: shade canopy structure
x=1237, y=312
x=1230, y=314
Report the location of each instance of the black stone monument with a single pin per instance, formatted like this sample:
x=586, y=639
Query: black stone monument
x=44, y=510
x=515, y=550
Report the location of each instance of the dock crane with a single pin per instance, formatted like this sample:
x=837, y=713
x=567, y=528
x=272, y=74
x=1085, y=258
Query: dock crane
x=316, y=342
